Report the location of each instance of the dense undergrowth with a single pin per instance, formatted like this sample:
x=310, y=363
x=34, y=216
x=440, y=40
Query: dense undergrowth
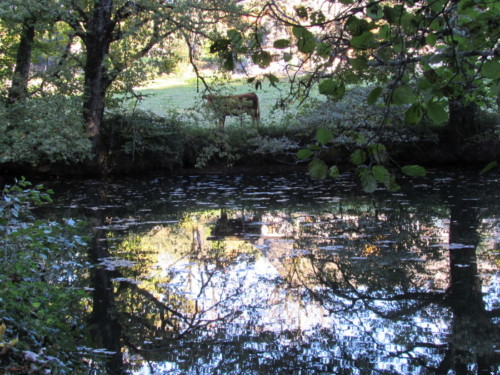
x=47, y=135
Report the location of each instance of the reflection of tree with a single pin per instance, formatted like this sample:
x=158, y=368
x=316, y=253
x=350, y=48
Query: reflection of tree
x=473, y=334
x=104, y=324
x=367, y=271
x=371, y=257
x=167, y=287
x=366, y=282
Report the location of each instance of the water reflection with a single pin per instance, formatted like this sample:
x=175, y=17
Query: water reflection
x=281, y=275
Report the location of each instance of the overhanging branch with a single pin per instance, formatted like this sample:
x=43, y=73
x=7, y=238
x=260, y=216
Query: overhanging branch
x=434, y=58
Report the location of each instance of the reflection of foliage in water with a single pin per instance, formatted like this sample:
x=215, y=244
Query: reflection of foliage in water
x=376, y=272
x=177, y=285
x=323, y=283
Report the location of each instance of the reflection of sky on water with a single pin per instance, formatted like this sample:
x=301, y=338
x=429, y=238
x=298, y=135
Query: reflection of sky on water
x=378, y=299
x=268, y=307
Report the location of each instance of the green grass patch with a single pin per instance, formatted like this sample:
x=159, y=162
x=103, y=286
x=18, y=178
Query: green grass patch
x=164, y=96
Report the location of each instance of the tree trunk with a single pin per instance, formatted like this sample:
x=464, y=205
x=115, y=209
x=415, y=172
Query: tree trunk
x=462, y=124
x=97, y=42
x=19, y=87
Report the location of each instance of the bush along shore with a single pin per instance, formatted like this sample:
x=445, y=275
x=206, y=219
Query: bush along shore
x=47, y=137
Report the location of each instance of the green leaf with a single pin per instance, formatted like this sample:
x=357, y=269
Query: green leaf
x=403, y=95
x=228, y=63
x=374, y=11
x=220, y=45
x=323, y=136
x=374, y=95
x=305, y=153
x=414, y=114
x=431, y=39
x=491, y=69
x=235, y=37
x=359, y=62
x=333, y=88
x=489, y=167
x=437, y=113
x=262, y=59
x=327, y=86
x=324, y=49
x=318, y=169
x=414, y=170
x=363, y=41
x=357, y=26
x=390, y=14
x=381, y=173
x=368, y=181
x=301, y=12
x=378, y=152
x=306, y=42
x=391, y=183
x=359, y=138
x=317, y=18
x=272, y=79
x=384, y=32
x=437, y=6
x=358, y=157
x=281, y=43
x=333, y=172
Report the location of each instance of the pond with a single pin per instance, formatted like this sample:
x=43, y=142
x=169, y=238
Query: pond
x=280, y=274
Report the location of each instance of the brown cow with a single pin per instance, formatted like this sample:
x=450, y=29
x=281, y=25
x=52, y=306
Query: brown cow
x=234, y=105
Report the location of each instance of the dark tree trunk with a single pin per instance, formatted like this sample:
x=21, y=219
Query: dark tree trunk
x=97, y=42
x=19, y=87
x=462, y=124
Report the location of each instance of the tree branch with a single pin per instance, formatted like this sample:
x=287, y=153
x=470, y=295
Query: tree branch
x=436, y=57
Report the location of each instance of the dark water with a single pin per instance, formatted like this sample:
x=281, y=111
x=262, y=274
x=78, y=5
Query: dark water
x=283, y=275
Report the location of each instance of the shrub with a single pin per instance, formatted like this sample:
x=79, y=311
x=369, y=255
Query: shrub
x=41, y=324
x=141, y=133
x=42, y=130
x=353, y=115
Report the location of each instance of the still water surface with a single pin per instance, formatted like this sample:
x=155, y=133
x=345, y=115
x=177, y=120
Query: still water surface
x=279, y=274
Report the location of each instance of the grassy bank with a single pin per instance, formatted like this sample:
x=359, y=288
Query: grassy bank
x=165, y=96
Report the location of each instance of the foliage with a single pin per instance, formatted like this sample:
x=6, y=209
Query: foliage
x=225, y=147
x=40, y=319
x=435, y=60
x=350, y=130
x=16, y=200
x=37, y=131
x=7, y=39
x=140, y=133
x=267, y=145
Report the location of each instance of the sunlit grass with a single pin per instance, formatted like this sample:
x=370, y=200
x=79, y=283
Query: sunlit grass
x=184, y=96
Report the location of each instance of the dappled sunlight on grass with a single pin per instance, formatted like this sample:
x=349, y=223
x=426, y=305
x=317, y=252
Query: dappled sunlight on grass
x=181, y=95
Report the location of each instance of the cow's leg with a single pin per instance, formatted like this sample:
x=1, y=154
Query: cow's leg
x=222, y=120
x=256, y=119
